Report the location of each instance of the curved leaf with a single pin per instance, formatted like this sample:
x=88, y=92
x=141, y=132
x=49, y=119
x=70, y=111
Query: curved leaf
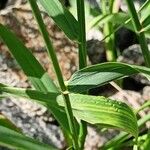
x=32, y=68
x=63, y=18
x=14, y=140
x=101, y=110
x=95, y=110
x=27, y=61
x=97, y=75
x=42, y=98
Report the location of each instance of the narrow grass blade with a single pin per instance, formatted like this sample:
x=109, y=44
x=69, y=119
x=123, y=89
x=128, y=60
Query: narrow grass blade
x=27, y=61
x=92, y=109
x=62, y=17
x=145, y=10
x=101, y=74
x=116, y=18
x=46, y=99
x=14, y=140
x=6, y=123
x=146, y=144
x=32, y=68
x=52, y=53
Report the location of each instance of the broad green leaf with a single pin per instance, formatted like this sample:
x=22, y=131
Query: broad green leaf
x=92, y=109
x=62, y=17
x=6, y=123
x=32, y=68
x=27, y=61
x=100, y=110
x=14, y=140
x=97, y=75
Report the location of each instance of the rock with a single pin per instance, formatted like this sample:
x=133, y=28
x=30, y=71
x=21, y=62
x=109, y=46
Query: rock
x=96, y=51
x=125, y=38
x=6, y=6
x=146, y=93
x=32, y=122
x=133, y=55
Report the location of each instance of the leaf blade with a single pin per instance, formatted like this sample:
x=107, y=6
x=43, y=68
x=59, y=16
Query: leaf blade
x=36, y=74
x=97, y=75
x=95, y=110
x=12, y=139
x=27, y=61
x=62, y=17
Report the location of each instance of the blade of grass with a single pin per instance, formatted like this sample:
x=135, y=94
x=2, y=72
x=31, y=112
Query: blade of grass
x=62, y=17
x=138, y=28
x=56, y=66
x=15, y=140
x=101, y=74
x=8, y=124
x=92, y=109
x=125, y=22
x=31, y=67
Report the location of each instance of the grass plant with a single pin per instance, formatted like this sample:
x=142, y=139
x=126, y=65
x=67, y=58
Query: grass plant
x=70, y=103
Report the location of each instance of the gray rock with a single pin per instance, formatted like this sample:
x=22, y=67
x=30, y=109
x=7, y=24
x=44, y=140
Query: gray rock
x=133, y=55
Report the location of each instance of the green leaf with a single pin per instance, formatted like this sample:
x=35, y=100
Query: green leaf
x=97, y=75
x=32, y=68
x=146, y=144
x=62, y=17
x=43, y=98
x=144, y=10
x=116, y=18
x=14, y=140
x=146, y=24
x=104, y=111
x=92, y=109
x=6, y=123
x=27, y=61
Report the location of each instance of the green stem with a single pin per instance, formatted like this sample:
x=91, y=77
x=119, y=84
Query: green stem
x=138, y=29
x=108, y=28
x=56, y=66
x=82, y=60
x=82, y=34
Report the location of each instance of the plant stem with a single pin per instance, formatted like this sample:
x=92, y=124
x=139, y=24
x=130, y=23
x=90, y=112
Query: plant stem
x=108, y=28
x=82, y=60
x=52, y=54
x=138, y=29
x=82, y=34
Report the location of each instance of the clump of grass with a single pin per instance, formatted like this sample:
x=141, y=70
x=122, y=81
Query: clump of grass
x=70, y=103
